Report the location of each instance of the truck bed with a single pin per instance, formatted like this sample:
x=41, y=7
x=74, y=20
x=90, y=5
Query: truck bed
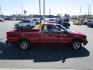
x=16, y=35
x=27, y=30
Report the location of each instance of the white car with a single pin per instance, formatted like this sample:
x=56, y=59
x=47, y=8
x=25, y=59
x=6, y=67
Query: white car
x=25, y=24
x=51, y=20
x=1, y=19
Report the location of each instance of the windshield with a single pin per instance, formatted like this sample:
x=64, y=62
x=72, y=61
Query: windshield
x=54, y=28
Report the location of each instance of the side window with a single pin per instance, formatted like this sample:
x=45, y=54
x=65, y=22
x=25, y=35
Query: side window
x=44, y=28
x=60, y=28
x=57, y=28
x=52, y=28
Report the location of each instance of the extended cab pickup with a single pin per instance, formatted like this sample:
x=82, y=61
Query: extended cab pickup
x=48, y=33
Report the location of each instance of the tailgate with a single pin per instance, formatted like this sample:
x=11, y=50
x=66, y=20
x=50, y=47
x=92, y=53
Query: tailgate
x=12, y=37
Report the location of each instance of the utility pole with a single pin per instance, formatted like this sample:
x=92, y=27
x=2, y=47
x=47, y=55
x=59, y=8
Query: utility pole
x=22, y=11
x=44, y=10
x=40, y=9
x=49, y=11
x=1, y=12
x=80, y=11
x=88, y=11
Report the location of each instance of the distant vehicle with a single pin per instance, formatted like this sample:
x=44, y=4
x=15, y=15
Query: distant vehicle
x=84, y=22
x=48, y=34
x=66, y=18
x=1, y=19
x=63, y=23
x=25, y=24
x=77, y=22
x=90, y=23
x=51, y=20
x=37, y=21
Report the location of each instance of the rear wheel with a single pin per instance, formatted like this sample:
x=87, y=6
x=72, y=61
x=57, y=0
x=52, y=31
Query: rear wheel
x=76, y=45
x=23, y=44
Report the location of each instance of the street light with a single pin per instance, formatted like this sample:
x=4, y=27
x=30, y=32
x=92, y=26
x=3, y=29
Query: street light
x=40, y=9
x=44, y=10
x=1, y=11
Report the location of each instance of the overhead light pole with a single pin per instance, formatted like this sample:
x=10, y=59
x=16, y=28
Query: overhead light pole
x=1, y=12
x=22, y=11
x=49, y=11
x=80, y=11
x=40, y=9
x=44, y=10
x=89, y=9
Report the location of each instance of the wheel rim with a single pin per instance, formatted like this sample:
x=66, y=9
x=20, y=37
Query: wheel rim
x=24, y=45
x=76, y=45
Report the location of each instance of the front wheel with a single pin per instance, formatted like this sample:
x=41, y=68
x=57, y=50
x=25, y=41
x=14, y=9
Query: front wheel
x=76, y=45
x=23, y=44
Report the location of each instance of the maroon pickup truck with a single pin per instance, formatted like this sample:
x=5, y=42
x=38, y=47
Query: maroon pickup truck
x=49, y=33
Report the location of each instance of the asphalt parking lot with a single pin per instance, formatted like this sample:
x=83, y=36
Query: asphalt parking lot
x=65, y=58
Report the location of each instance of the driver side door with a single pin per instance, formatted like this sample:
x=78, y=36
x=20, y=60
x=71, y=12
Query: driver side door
x=50, y=36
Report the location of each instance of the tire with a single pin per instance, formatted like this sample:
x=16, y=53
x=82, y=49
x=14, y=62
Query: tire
x=28, y=26
x=76, y=45
x=23, y=44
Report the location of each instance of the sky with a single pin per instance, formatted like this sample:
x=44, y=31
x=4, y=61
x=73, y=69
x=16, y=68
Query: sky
x=71, y=7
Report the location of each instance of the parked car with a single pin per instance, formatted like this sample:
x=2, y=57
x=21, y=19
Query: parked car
x=1, y=19
x=84, y=22
x=37, y=21
x=49, y=33
x=25, y=24
x=90, y=23
x=51, y=20
x=77, y=22
x=63, y=23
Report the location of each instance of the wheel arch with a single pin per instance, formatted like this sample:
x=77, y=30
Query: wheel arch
x=24, y=39
x=76, y=40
